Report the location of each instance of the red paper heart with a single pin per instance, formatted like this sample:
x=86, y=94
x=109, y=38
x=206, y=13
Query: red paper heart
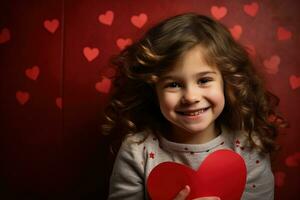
x=236, y=31
x=122, y=43
x=22, y=97
x=52, y=25
x=90, y=53
x=272, y=65
x=294, y=82
x=283, y=34
x=218, y=12
x=33, y=72
x=4, y=36
x=251, y=9
x=104, y=85
x=222, y=174
x=140, y=20
x=106, y=18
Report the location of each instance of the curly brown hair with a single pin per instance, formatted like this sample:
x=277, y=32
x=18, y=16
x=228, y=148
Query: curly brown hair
x=134, y=107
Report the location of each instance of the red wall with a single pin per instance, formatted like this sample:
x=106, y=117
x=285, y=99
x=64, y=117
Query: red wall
x=58, y=51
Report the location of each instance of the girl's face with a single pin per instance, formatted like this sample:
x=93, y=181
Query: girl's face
x=191, y=97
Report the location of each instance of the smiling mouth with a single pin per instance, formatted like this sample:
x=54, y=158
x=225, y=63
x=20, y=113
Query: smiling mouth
x=193, y=113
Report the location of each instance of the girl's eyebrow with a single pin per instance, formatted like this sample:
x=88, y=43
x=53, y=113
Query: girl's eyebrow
x=163, y=78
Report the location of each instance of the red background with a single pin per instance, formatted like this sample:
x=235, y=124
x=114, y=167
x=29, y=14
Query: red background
x=52, y=151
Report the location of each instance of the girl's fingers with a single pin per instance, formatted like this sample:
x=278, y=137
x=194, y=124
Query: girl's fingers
x=208, y=198
x=183, y=193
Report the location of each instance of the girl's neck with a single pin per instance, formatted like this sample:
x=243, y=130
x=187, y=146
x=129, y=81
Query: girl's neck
x=182, y=136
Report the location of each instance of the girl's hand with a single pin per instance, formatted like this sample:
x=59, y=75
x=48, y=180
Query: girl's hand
x=186, y=191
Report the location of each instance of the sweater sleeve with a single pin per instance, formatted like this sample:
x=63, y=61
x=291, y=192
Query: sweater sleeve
x=126, y=181
x=260, y=179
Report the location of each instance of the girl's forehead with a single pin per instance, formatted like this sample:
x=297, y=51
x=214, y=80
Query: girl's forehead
x=190, y=71
x=193, y=60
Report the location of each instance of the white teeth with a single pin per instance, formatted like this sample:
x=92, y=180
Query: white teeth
x=194, y=113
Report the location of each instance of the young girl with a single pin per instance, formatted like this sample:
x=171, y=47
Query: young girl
x=185, y=90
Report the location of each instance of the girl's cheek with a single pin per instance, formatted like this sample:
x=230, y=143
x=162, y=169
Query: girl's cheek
x=170, y=99
x=216, y=95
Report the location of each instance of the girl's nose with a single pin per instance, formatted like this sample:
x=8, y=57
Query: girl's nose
x=190, y=96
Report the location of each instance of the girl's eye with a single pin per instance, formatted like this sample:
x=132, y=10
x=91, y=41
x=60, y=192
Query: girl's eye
x=173, y=85
x=204, y=80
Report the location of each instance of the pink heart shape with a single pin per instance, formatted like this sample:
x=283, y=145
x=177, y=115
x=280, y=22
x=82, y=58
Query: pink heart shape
x=294, y=82
x=236, y=31
x=218, y=12
x=283, y=34
x=106, y=18
x=293, y=160
x=33, y=72
x=52, y=25
x=22, y=97
x=272, y=64
x=122, y=43
x=90, y=53
x=139, y=20
x=4, y=35
x=251, y=9
x=104, y=85
x=222, y=173
x=58, y=102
